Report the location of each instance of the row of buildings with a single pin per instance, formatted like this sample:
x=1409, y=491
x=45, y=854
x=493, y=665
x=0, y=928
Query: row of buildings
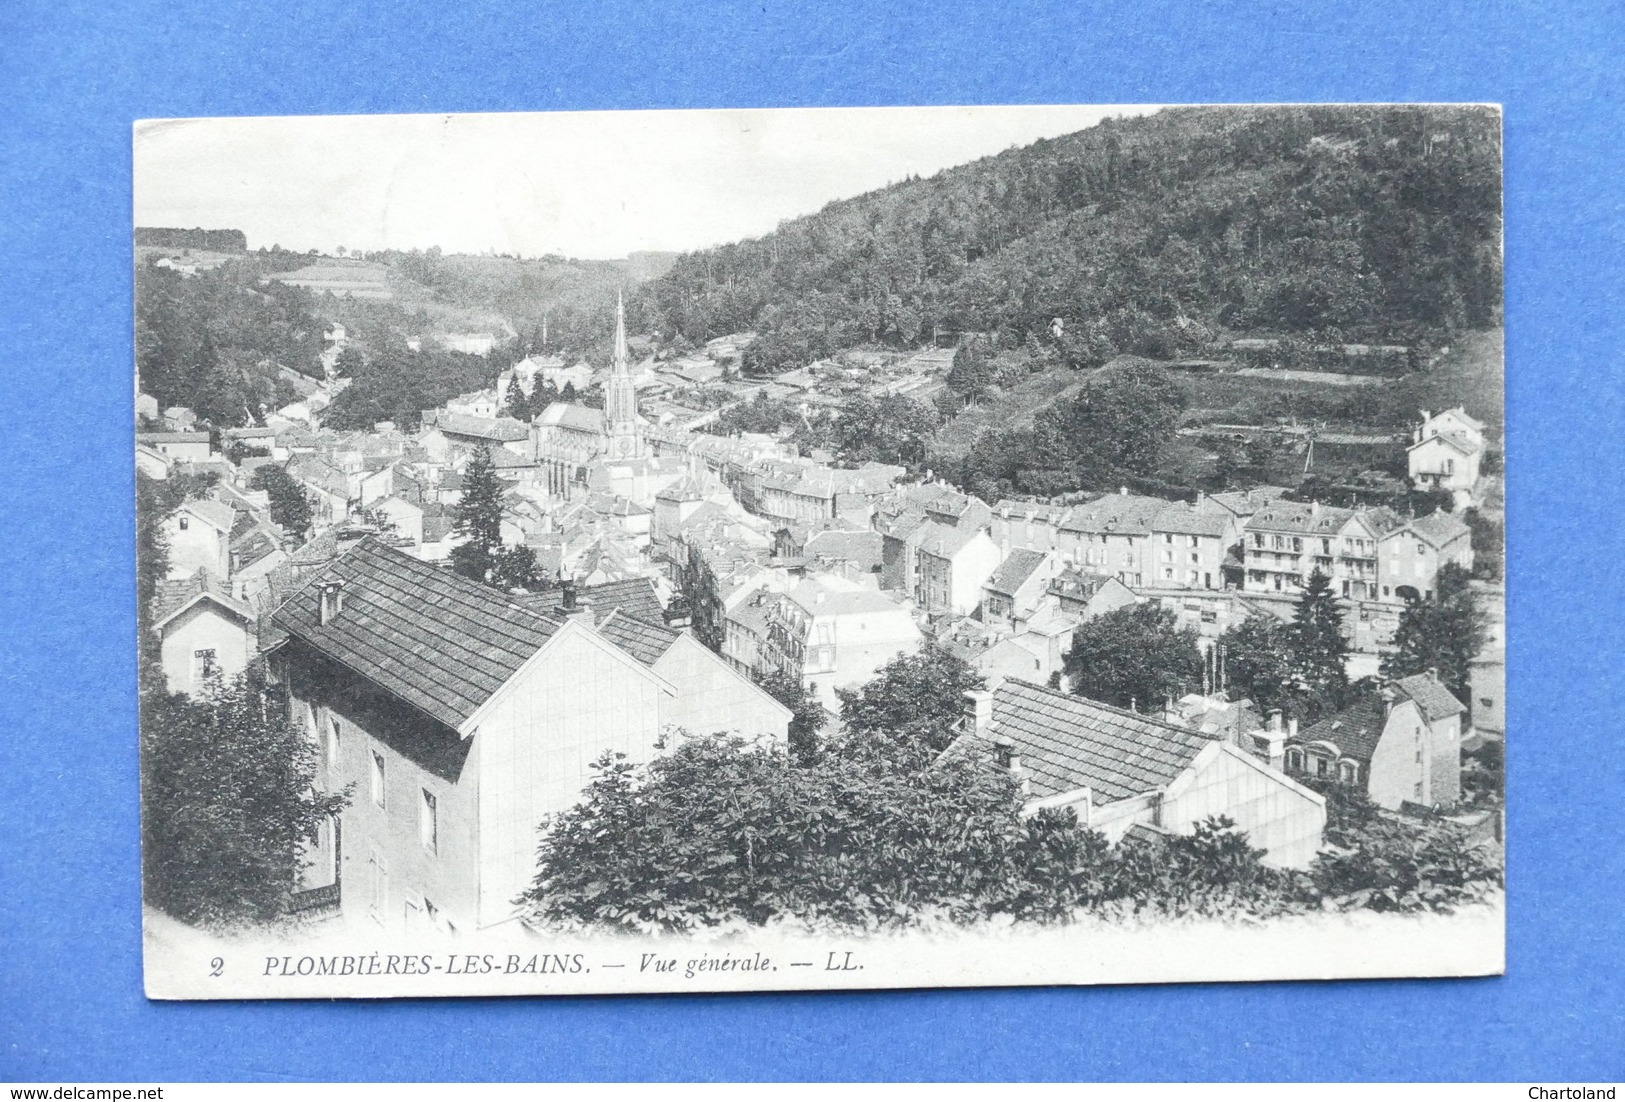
x=691, y=565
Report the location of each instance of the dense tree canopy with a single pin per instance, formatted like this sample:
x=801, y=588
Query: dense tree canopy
x=227, y=802
x=1444, y=632
x=807, y=715
x=214, y=341
x=397, y=384
x=912, y=705
x=1134, y=657
x=290, y=505
x=1142, y=235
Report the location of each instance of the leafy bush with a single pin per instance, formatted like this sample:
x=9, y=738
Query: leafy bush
x=721, y=830
x=227, y=803
x=1385, y=863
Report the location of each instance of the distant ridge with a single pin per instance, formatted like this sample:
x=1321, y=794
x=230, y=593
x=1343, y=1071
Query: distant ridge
x=168, y=237
x=1145, y=235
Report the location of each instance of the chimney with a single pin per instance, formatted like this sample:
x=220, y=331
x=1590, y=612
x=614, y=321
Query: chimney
x=330, y=601
x=1387, y=695
x=1004, y=752
x=677, y=614
x=1433, y=673
x=1122, y=491
x=1292, y=727
x=1275, y=719
x=978, y=711
x=571, y=607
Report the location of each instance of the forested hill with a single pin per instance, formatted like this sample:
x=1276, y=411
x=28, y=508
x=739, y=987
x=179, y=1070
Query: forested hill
x=1147, y=235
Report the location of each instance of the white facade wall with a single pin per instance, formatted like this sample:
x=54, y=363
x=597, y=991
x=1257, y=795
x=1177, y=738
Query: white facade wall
x=579, y=698
x=712, y=697
x=202, y=627
x=1280, y=817
x=195, y=545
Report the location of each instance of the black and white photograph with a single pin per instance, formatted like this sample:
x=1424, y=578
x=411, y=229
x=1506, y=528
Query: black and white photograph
x=795, y=549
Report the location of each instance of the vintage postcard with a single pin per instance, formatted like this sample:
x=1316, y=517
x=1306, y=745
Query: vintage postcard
x=796, y=549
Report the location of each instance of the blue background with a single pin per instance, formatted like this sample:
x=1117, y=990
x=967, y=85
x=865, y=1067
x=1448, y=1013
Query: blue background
x=74, y=75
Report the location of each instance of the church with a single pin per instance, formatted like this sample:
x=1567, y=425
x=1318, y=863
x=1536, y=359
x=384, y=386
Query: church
x=568, y=439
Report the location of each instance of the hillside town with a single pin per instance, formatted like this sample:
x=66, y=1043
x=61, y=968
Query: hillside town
x=665, y=593
x=676, y=570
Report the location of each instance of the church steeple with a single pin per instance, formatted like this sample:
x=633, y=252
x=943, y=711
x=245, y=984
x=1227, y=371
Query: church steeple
x=620, y=396
x=620, y=360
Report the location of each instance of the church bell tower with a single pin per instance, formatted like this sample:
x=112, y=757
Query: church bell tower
x=620, y=397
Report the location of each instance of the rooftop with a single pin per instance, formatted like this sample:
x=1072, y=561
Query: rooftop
x=1013, y=573
x=437, y=641
x=1068, y=742
x=1123, y=514
x=634, y=597
x=1355, y=730
x=497, y=429
x=1435, y=701
x=172, y=597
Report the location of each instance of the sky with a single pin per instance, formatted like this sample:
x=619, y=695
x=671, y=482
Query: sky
x=584, y=184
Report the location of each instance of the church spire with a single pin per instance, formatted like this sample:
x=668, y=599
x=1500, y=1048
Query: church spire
x=619, y=363
x=625, y=438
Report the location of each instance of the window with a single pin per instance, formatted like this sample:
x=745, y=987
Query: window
x=332, y=740
x=204, y=665
x=377, y=778
x=185, y=523
x=429, y=822
x=1485, y=702
x=1168, y=538
x=1195, y=542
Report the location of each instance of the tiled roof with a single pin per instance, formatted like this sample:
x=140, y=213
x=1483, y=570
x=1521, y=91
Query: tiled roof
x=171, y=438
x=1439, y=528
x=1068, y=742
x=1291, y=516
x=1184, y=520
x=1435, y=701
x=1458, y=440
x=1030, y=510
x=253, y=545
x=821, y=598
x=862, y=548
x=1013, y=573
x=503, y=429
x=174, y=596
x=643, y=641
x=569, y=415
x=1120, y=514
x=1078, y=584
x=633, y=597
x=1355, y=730
x=215, y=513
x=942, y=541
x=439, y=642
